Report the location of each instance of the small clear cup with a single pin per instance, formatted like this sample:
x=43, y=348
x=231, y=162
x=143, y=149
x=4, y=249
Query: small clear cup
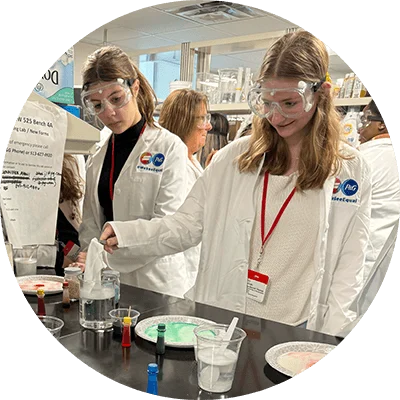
x=53, y=324
x=117, y=315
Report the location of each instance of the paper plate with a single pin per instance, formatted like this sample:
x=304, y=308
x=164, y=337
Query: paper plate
x=179, y=332
x=30, y=283
x=292, y=357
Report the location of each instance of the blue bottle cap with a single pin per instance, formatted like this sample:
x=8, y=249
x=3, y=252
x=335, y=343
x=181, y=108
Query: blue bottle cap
x=152, y=368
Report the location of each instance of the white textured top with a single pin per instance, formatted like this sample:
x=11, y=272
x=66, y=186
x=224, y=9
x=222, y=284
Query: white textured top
x=288, y=257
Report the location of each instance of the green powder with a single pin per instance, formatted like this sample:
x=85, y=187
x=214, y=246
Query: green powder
x=176, y=332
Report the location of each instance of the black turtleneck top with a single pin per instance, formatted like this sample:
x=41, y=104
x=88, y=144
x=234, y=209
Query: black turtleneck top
x=123, y=146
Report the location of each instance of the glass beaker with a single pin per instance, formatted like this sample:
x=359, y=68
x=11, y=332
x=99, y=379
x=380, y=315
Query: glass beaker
x=111, y=274
x=96, y=300
x=228, y=82
x=208, y=84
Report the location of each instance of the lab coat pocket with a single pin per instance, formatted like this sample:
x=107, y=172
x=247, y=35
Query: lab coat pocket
x=142, y=193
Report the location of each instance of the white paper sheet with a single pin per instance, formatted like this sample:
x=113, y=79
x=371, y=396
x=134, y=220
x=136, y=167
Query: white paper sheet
x=31, y=175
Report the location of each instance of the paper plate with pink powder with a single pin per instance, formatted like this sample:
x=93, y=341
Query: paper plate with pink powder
x=291, y=358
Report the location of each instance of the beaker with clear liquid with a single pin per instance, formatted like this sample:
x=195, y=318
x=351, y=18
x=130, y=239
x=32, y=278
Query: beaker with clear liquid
x=96, y=300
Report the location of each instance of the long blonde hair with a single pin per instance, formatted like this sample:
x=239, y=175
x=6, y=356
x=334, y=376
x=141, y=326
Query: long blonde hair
x=179, y=112
x=109, y=63
x=302, y=56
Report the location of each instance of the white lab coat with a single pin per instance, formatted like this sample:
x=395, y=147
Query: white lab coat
x=142, y=191
x=385, y=212
x=220, y=211
x=192, y=255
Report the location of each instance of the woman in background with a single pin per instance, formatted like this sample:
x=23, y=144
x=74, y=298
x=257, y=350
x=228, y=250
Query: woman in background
x=217, y=138
x=69, y=215
x=192, y=126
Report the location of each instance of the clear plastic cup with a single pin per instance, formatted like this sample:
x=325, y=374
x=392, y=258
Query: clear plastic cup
x=53, y=324
x=25, y=260
x=118, y=314
x=217, y=358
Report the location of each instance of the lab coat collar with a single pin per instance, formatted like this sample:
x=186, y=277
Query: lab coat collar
x=375, y=143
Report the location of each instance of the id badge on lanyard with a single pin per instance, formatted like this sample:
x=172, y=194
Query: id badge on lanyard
x=256, y=281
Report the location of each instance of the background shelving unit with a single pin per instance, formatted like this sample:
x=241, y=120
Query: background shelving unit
x=243, y=108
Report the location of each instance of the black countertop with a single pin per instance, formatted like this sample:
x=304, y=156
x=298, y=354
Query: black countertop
x=178, y=369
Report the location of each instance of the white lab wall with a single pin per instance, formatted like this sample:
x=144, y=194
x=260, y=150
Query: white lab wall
x=81, y=51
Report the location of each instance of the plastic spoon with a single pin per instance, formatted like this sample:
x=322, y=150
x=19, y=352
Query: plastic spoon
x=228, y=335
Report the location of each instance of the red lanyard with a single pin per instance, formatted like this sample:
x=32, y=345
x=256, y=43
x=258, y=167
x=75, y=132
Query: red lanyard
x=111, y=181
x=277, y=218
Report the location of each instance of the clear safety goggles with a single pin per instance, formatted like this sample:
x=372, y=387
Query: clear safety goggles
x=118, y=97
x=366, y=117
x=204, y=120
x=289, y=102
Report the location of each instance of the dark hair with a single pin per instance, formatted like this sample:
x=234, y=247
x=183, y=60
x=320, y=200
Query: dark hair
x=217, y=137
x=374, y=109
x=220, y=124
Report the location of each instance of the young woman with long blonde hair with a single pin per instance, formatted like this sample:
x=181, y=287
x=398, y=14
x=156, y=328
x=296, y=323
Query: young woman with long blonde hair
x=282, y=214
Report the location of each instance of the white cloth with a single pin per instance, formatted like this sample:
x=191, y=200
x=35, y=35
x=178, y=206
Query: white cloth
x=385, y=211
x=220, y=211
x=143, y=191
x=96, y=261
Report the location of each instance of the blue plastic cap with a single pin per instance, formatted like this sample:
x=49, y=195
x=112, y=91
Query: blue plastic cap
x=152, y=367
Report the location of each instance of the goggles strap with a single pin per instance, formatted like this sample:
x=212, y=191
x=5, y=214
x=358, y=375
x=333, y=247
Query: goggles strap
x=316, y=85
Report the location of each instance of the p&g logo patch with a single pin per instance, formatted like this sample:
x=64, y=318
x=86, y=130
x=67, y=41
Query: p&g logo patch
x=158, y=159
x=349, y=187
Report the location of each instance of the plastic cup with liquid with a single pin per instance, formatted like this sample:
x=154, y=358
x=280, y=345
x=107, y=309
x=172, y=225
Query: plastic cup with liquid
x=216, y=357
x=25, y=260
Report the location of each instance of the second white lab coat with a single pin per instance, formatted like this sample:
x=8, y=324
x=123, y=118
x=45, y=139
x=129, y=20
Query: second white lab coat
x=385, y=212
x=143, y=190
x=220, y=211
x=192, y=255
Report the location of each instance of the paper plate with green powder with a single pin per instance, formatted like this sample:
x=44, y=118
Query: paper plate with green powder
x=179, y=329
